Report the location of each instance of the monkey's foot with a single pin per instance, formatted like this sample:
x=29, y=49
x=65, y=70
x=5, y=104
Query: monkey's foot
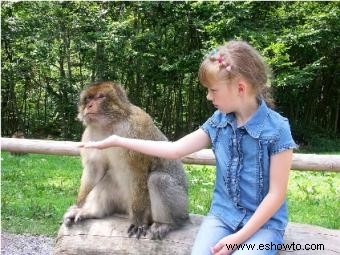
x=159, y=230
x=138, y=230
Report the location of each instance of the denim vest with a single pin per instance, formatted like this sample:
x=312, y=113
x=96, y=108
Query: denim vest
x=242, y=164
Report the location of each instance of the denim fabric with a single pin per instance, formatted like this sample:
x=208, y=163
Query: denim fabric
x=263, y=242
x=243, y=161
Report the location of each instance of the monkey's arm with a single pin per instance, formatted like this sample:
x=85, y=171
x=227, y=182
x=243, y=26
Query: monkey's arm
x=93, y=172
x=171, y=150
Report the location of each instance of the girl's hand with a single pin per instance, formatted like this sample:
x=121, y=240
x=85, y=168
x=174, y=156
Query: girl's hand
x=226, y=245
x=103, y=144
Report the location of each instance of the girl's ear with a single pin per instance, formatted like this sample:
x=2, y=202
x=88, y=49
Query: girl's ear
x=242, y=87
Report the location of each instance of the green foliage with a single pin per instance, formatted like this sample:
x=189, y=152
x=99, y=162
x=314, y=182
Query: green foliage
x=37, y=190
x=51, y=50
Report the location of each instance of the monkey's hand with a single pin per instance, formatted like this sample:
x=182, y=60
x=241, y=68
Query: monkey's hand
x=70, y=215
x=103, y=144
x=76, y=214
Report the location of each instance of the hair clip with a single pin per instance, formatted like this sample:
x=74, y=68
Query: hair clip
x=220, y=59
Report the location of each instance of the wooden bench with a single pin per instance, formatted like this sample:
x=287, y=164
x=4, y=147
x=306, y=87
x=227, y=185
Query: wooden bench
x=108, y=236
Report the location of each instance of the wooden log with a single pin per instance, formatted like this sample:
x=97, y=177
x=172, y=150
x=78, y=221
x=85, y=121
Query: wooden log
x=304, y=162
x=40, y=146
x=109, y=236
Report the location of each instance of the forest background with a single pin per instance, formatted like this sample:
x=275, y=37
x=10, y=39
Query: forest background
x=51, y=50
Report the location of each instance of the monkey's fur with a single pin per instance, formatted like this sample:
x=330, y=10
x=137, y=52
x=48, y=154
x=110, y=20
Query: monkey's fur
x=19, y=135
x=151, y=190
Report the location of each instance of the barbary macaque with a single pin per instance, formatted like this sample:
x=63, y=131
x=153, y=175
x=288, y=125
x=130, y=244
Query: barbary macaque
x=18, y=135
x=151, y=190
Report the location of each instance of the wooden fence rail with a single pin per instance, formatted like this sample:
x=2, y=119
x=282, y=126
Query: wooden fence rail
x=303, y=162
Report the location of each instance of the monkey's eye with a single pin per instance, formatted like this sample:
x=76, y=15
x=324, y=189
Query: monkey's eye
x=100, y=95
x=87, y=99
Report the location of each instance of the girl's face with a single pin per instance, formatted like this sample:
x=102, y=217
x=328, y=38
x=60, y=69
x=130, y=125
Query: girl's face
x=223, y=94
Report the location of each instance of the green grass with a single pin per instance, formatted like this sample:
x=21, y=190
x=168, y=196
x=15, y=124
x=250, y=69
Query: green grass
x=37, y=190
x=201, y=181
x=314, y=198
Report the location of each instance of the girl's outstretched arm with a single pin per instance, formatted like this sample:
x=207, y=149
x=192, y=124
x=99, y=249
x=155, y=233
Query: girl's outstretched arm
x=172, y=150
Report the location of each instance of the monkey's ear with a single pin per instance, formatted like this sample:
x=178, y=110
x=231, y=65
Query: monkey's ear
x=120, y=92
x=81, y=98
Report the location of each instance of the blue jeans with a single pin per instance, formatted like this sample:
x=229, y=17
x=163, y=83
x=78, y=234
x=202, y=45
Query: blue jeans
x=212, y=230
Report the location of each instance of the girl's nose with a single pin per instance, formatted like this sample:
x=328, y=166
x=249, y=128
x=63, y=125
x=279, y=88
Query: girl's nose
x=209, y=97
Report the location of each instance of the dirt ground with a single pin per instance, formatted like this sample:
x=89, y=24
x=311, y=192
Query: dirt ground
x=12, y=244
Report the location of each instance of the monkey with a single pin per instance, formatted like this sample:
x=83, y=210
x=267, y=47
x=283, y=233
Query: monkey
x=152, y=191
x=20, y=135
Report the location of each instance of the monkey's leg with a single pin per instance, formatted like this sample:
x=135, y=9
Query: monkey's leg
x=169, y=204
x=140, y=211
x=99, y=202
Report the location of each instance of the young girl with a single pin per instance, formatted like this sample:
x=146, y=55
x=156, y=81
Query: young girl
x=253, y=149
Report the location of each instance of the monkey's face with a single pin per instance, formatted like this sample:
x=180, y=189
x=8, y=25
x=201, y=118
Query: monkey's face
x=103, y=104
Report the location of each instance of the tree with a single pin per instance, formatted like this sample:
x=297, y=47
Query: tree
x=51, y=50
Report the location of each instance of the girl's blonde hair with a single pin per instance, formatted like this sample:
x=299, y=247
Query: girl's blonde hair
x=238, y=58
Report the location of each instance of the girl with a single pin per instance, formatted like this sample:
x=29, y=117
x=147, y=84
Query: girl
x=253, y=149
